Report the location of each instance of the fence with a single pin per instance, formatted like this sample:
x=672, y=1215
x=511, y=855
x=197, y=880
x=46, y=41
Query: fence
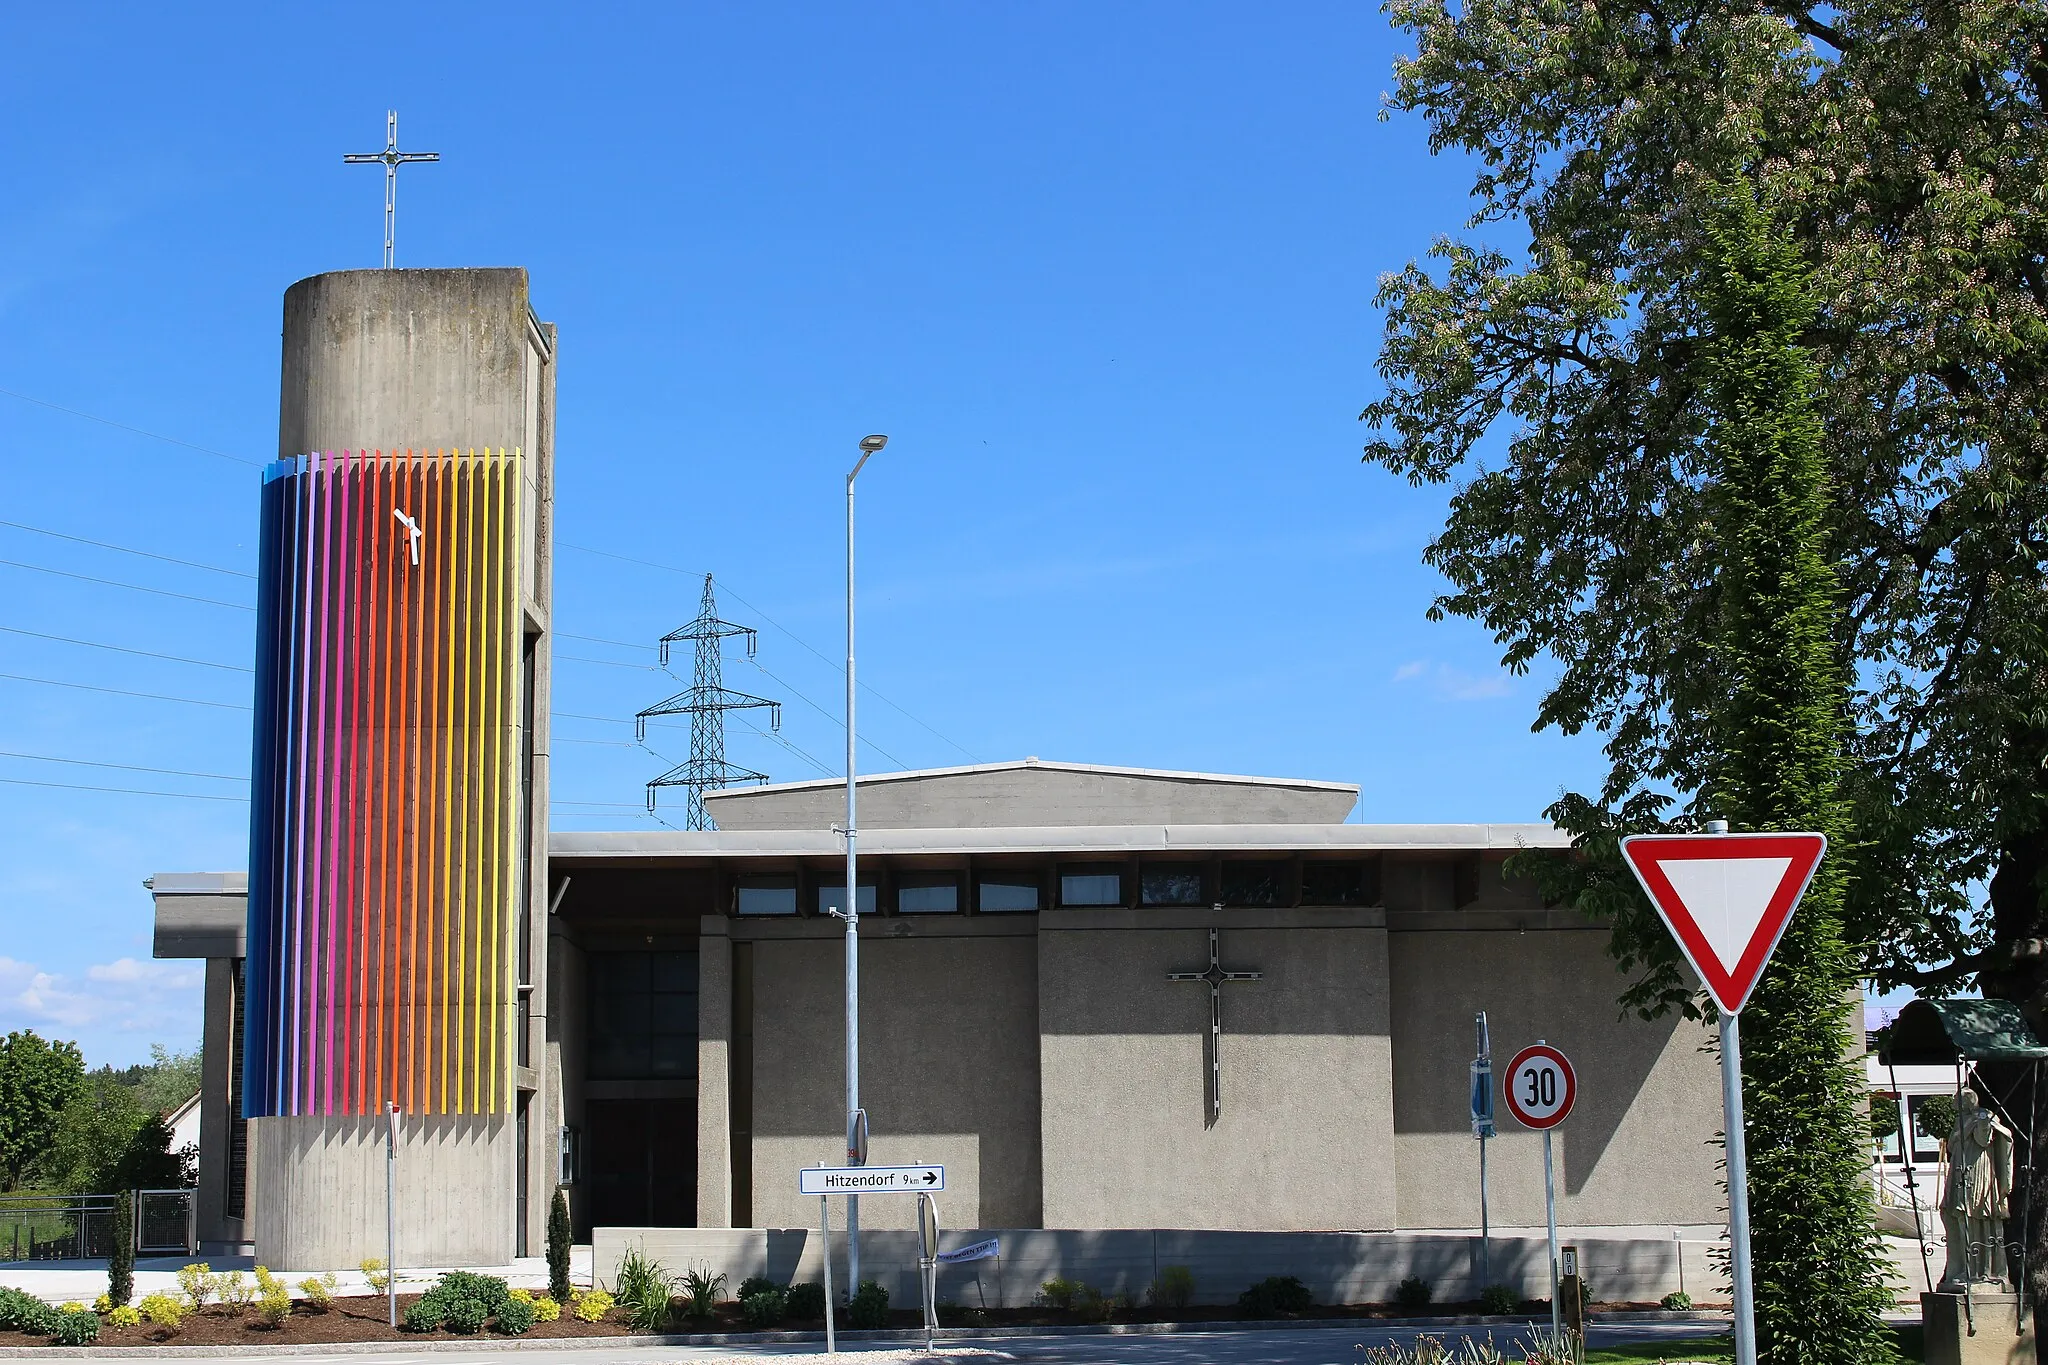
x=78, y=1227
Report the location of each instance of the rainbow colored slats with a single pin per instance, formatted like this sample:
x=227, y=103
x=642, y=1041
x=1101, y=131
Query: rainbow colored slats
x=384, y=873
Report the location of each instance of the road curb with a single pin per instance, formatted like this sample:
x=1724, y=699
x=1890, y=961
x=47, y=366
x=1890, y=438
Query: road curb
x=487, y=1342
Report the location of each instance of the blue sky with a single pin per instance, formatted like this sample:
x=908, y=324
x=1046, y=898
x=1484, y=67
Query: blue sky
x=1104, y=274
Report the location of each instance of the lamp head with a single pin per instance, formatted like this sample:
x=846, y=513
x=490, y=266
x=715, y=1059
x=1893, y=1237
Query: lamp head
x=870, y=444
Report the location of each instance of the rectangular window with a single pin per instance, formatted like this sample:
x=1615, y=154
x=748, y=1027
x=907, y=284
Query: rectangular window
x=832, y=899
x=998, y=895
x=1170, y=885
x=768, y=896
x=1091, y=888
x=921, y=894
x=1333, y=883
x=1255, y=884
x=643, y=1016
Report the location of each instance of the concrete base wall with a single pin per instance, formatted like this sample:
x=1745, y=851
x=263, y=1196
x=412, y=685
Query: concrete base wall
x=1337, y=1267
x=317, y=1191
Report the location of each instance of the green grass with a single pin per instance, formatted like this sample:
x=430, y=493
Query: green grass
x=1715, y=1348
x=1649, y=1352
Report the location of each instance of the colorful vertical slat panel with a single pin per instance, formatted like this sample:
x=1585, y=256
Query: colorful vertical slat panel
x=383, y=816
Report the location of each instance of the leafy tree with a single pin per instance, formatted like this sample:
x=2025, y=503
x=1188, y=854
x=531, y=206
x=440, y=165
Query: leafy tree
x=37, y=1079
x=106, y=1141
x=1561, y=379
x=170, y=1079
x=1775, y=763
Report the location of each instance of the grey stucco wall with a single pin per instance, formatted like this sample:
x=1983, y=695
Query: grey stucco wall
x=714, y=1074
x=1033, y=796
x=1306, y=1075
x=949, y=1064
x=1636, y=1149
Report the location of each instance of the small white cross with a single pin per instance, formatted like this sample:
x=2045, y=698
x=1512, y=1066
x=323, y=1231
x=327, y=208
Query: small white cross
x=413, y=530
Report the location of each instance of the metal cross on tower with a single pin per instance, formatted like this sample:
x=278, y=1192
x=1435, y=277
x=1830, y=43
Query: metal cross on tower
x=391, y=159
x=705, y=704
x=1215, y=977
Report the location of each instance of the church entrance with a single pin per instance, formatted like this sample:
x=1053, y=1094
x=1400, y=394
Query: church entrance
x=640, y=1111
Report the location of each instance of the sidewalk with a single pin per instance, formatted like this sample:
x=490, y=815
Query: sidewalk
x=64, y=1281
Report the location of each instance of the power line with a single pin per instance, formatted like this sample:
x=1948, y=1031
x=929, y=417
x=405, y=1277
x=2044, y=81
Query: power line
x=123, y=649
x=118, y=692
x=127, y=550
x=608, y=663
x=125, y=767
x=123, y=426
x=124, y=791
x=132, y=587
x=838, y=668
x=601, y=640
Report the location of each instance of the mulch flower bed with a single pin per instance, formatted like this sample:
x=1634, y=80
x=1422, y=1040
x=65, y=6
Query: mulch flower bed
x=364, y=1319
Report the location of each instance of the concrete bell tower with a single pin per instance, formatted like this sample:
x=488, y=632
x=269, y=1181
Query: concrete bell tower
x=397, y=878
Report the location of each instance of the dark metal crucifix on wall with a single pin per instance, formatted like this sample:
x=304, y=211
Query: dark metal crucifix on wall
x=1215, y=976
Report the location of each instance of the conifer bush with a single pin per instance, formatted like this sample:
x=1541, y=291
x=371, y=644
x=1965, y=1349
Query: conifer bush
x=121, y=1255
x=559, y=1235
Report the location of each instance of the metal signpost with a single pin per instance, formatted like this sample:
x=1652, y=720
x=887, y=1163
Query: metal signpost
x=391, y=1210
x=1482, y=1128
x=1727, y=898
x=855, y=1181
x=1541, y=1089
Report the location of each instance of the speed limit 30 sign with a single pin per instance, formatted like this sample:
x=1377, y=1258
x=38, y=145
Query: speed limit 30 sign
x=1540, y=1086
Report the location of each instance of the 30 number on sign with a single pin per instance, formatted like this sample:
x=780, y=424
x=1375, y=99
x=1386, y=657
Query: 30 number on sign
x=1541, y=1087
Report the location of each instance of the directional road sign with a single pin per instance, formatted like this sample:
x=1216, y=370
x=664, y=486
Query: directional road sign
x=1540, y=1086
x=1726, y=898
x=871, y=1179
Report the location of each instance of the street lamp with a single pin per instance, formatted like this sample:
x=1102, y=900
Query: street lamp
x=856, y=1121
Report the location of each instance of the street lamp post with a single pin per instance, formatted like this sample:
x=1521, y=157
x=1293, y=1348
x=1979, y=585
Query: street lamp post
x=855, y=1127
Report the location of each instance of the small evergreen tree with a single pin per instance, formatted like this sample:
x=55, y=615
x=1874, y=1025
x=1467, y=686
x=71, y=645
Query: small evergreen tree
x=558, y=1247
x=121, y=1254
x=1779, y=725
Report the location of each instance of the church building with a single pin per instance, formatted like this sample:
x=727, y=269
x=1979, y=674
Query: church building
x=1103, y=998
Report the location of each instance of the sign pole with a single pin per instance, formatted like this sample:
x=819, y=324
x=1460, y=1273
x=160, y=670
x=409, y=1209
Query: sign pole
x=825, y=1259
x=1738, y=1188
x=1550, y=1218
x=1482, y=1128
x=391, y=1210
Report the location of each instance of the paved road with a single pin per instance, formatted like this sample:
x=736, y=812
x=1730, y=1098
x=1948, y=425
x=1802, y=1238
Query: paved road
x=1307, y=1346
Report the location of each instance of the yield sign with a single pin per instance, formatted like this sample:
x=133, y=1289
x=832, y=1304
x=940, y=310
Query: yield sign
x=1726, y=898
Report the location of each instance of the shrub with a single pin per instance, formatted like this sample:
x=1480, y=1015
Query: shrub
x=545, y=1309
x=374, y=1271
x=1585, y=1294
x=425, y=1313
x=72, y=1306
x=121, y=1256
x=700, y=1291
x=124, y=1315
x=952, y=1314
x=1174, y=1288
x=320, y=1292
x=275, y=1305
x=1273, y=1296
x=754, y=1284
x=764, y=1307
x=1062, y=1294
x=465, y=1316
x=1414, y=1293
x=1678, y=1301
x=235, y=1292
x=488, y=1290
x=559, y=1237
x=77, y=1329
x=26, y=1313
x=198, y=1282
x=516, y=1316
x=1498, y=1300
x=1095, y=1306
x=869, y=1309
x=103, y=1305
x=805, y=1301
x=165, y=1310
x=592, y=1305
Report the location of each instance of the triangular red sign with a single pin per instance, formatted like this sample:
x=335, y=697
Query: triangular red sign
x=1726, y=898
